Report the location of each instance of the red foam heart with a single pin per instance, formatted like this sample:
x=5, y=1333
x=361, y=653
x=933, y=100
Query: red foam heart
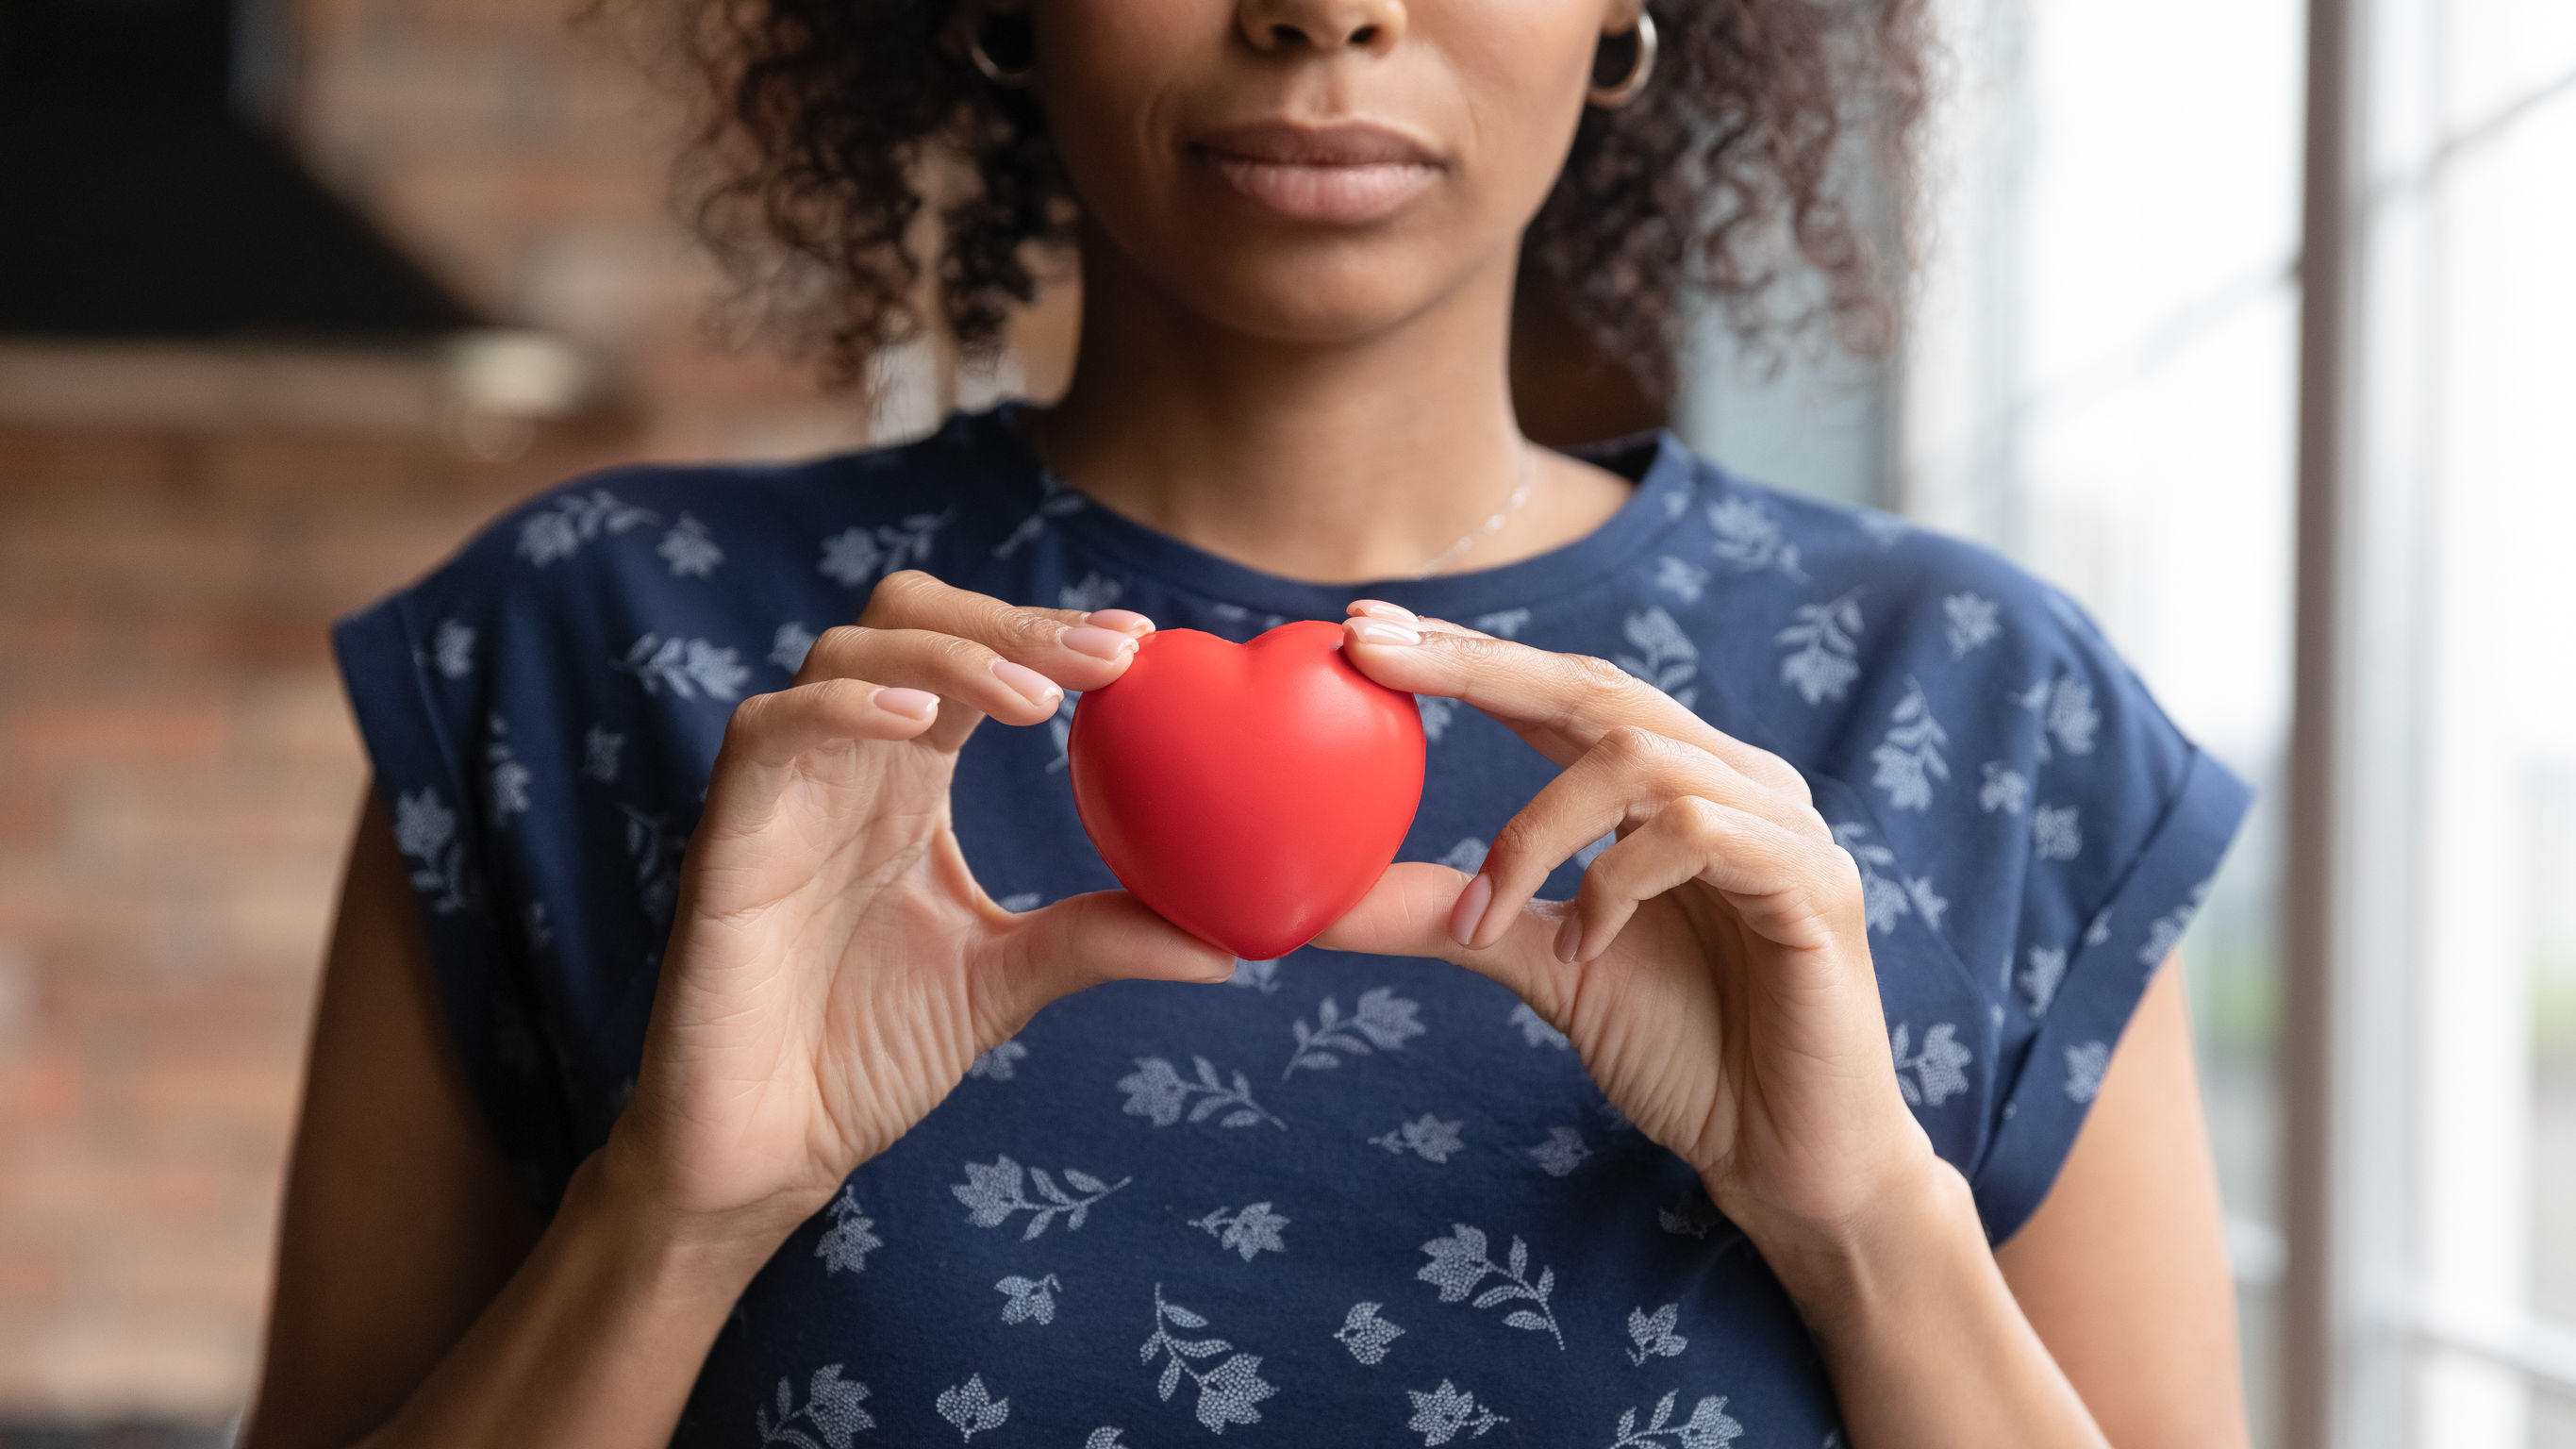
x=1249, y=793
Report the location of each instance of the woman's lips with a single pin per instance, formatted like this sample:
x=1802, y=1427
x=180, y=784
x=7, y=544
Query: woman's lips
x=1339, y=175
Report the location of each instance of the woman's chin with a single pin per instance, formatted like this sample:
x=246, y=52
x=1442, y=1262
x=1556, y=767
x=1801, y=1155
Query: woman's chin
x=1350, y=300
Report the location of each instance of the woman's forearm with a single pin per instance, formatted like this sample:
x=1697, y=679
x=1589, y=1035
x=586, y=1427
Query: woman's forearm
x=1925, y=1343
x=597, y=1338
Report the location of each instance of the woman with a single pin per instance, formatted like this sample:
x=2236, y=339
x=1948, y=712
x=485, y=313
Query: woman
x=705, y=1052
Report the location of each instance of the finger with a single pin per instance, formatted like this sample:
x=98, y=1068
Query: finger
x=1784, y=886
x=774, y=729
x=1087, y=939
x=1625, y=779
x=1067, y=646
x=1398, y=614
x=1561, y=703
x=1029, y=649
x=1407, y=914
x=1125, y=621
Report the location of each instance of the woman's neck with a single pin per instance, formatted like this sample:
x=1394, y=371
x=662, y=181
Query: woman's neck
x=1355, y=461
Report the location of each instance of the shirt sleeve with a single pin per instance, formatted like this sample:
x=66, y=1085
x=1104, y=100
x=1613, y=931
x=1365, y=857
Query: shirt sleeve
x=416, y=684
x=2117, y=823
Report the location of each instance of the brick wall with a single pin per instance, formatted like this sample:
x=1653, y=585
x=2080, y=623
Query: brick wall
x=522, y=150
x=178, y=776
x=178, y=773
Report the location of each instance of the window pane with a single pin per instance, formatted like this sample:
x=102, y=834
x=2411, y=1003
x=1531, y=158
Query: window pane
x=2101, y=380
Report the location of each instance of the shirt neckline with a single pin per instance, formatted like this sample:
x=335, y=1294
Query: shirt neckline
x=1661, y=465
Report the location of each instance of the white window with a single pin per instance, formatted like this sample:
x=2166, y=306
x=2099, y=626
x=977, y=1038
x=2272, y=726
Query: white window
x=2110, y=364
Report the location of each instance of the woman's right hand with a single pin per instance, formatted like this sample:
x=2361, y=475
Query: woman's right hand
x=834, y=968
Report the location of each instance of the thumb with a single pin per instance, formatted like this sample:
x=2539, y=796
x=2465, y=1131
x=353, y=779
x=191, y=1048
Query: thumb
x=1407, y=914
x=1101, y=936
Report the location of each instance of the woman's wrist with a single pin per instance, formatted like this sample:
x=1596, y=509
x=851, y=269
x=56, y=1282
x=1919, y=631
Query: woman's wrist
x=687, y=1250
x=1837, y=1262
x=1870, y=1283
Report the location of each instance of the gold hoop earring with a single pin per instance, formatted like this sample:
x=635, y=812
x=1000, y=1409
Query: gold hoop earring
x=1620, y=92
x=984, y=64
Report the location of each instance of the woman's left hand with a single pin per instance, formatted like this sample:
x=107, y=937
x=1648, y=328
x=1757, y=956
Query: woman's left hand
x=1713, y=969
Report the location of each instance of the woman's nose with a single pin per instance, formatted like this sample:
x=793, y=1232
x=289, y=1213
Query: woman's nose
x=1321, y=26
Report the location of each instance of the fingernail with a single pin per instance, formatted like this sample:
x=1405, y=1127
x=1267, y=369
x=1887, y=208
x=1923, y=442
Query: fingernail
x=1036, y=688
x=1125, y=621
x=1098, y=643
x=1381, y=609
x=910, y=703
x=1469, y=913
x=1378, y=631
x=1569, y=938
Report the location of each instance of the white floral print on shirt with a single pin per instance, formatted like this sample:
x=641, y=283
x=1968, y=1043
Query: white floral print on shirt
x=1650, y=1335
x=992, y=1193
x=690, y=550
x=1749, y=538
x=1534, y=1028
x=1909, y=758
x=972, y=1408
x=1824, y=645
x=425, y=831
x=1708, y=1427
x=1972, y=622
x=1883, y=898
x=998, y=1064
x=686, y=667
x=1561, y=1153
x=1937, y=1070
x=844, y=1246
x=1426, y=1137
x=1382, y=1020
x=789, y=644
x=453, y=648
x=1449, y=1412
x=858, y=557
x=2038, y=978
x=600, y=750
x=1366, y=1335
x=1683, y=581
x=2054, y=833
x=1665, y=658
x=1458, y=1263
x=1028, y=1299
x=1228, y=1392
x=562, y=526
x=830, y=1414
x=1253, y=1230
x=1158, y=1093
x=2086, y=1065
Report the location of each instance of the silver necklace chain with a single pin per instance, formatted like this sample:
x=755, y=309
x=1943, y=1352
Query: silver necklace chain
x=1520, y=495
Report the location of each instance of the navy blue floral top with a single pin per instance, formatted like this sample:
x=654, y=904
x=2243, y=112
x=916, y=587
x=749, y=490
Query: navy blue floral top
x=1350, y=1199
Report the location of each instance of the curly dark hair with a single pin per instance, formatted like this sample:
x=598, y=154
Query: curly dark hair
x=857, y=174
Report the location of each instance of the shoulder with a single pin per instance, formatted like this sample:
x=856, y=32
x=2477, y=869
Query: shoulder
x=663, y=592
x=716, y=548
x=2032, y=830
x=1832, y=618
x=842, y=515
x=1959, y=697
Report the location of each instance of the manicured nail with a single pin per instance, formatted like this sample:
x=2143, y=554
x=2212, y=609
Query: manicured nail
x=910, y=703
x=1125, y=621
x=1569, y=938
x=1036, y=688
x=1469, y=913
x=1096, y=642
x=1381, y=609
x=1379, y=631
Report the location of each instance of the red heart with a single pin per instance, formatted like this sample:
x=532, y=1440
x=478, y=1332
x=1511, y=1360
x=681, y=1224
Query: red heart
x=1249, y=793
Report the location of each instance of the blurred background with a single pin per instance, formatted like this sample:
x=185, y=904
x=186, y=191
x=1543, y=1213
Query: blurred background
x=2249, y=321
